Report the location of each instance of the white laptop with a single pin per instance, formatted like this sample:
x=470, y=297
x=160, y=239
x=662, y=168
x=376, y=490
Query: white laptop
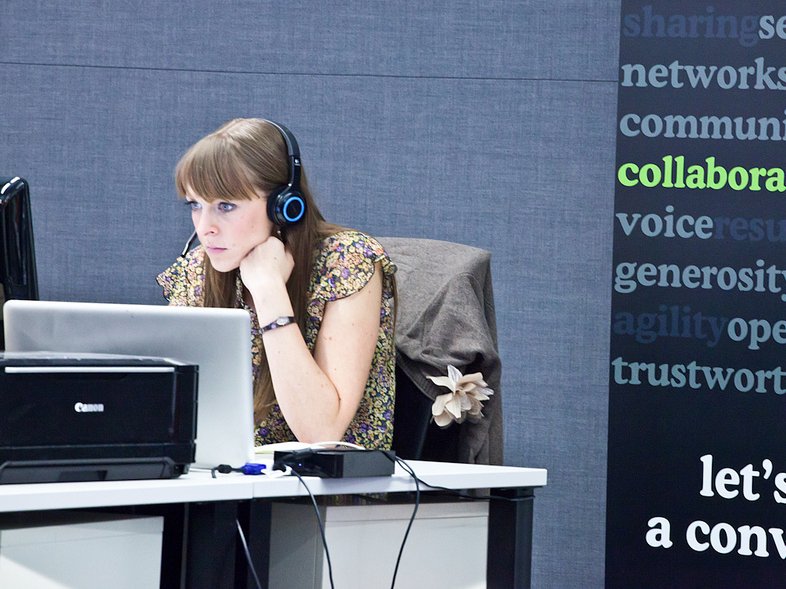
x=217, y=340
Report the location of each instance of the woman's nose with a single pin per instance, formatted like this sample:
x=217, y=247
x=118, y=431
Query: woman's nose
x=204, y=223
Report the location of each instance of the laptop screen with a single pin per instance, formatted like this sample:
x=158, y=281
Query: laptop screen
x=217, y=340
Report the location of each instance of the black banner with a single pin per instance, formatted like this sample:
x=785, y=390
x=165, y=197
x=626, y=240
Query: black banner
x=697, y=394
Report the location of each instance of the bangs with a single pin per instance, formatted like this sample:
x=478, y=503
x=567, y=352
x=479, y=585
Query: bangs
x=213, y=170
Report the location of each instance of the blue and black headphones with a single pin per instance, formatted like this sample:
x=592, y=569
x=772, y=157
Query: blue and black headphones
x=285, y=204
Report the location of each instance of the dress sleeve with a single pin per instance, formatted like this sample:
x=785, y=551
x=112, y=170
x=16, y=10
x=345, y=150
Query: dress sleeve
x=182, y=282
x=345, y=264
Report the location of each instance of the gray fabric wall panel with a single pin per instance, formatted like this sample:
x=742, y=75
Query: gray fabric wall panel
x=490, y=124
x=451, y=38
x=100, y=181
x=554, y=326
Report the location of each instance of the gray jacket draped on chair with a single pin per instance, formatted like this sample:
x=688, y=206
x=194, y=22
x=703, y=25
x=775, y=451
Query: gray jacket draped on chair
x=445, y=315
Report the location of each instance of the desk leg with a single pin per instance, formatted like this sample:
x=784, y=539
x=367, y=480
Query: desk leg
x=509, y=556
x=173, y=545
x=173, y=553
x=211, y=545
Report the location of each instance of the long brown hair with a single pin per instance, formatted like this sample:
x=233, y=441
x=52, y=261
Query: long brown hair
x=239, y=161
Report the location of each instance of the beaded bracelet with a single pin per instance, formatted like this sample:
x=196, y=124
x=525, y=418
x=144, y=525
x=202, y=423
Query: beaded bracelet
x=280, y=322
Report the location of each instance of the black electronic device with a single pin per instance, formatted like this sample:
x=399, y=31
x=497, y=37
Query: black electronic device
x=95, y=417
x=285, y=204
x=336, y=463
x=18, y=274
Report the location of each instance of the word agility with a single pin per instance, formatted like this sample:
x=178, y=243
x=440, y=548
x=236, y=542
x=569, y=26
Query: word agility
x=672, y=172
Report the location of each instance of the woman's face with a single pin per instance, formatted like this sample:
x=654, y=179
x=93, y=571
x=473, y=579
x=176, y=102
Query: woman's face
x=228, y=230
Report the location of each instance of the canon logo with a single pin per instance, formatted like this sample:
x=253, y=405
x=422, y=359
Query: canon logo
x=89, y=407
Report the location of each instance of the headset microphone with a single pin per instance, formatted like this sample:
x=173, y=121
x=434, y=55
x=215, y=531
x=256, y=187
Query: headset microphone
x=286, y=204
x=188, y=244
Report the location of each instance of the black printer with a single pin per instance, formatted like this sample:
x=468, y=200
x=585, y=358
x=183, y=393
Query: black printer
x=87, y=417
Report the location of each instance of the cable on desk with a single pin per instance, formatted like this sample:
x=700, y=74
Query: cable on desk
x=251, y=468
x=320, y=523
x=250, y=562
x=466, y=495
x=448, y=490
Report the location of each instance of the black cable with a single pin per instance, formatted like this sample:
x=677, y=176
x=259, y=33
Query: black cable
x=447, y=489
x=321, y=526
x=418, y=482
x=411, y=472
x=248, y=554
x=252, y=468
x=467, y=495
x=222, y=468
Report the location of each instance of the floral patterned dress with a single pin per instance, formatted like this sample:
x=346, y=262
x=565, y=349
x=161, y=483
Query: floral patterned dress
x=343, y=265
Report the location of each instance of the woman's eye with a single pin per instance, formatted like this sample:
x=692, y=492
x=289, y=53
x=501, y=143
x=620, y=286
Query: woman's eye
x=193, y=205
x=225, y=207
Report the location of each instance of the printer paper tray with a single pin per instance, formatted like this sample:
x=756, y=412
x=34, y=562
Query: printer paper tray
x=61, y=471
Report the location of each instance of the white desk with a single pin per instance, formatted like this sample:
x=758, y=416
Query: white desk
x=201, y=512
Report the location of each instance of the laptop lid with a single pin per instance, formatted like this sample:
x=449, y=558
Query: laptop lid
x=217, y=340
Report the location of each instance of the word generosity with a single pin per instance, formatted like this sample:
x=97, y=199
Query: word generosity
x=628, y=276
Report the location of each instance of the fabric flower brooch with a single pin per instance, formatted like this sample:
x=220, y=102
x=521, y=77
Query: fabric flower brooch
x=465, y=399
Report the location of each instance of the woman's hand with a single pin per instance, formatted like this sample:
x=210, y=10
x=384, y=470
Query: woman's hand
x=268, y=265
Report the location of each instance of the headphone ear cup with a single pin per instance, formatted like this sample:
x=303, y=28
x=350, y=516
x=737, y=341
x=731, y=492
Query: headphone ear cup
x=285, y=206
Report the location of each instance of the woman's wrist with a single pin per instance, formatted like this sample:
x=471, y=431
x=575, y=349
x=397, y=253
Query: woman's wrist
x=264, y=288
x=271, y=303
x=277, y=323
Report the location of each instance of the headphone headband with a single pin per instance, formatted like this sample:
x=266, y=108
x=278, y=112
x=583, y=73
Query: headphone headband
x=285, y=204
x=293, y=154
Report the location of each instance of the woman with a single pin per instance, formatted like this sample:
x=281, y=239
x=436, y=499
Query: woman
x=320, y=297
